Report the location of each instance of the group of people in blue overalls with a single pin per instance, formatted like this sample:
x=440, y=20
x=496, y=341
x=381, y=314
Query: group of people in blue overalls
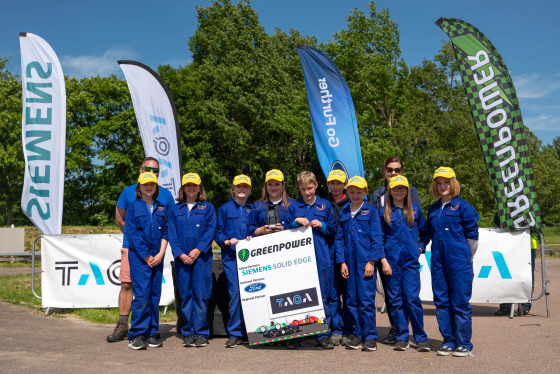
x=353, y=239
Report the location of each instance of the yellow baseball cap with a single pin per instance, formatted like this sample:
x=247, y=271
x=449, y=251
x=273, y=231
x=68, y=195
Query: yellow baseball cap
x=445, y=172
x=147, y=178
x=274, y=174
x=398, y=180
x=190, y=178
x=337, y=175
x=239, y=179
x=357, y=181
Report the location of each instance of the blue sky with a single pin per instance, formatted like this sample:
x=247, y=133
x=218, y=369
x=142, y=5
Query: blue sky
x=89, y=37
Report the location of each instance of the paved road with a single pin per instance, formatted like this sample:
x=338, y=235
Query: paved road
x=32, y=342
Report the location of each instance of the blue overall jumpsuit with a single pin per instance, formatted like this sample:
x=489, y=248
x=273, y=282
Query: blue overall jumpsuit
x=189, y=230
x=449, y=227
x=402, y=248
x=145, y=230
x=358, y=240
x=232, y=223
x=257, y=218
x=320, y=210
x=340, y=323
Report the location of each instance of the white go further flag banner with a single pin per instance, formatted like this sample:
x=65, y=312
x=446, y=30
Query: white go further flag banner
x=43, y=133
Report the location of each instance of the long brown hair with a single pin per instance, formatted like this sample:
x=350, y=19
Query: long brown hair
x=264, y=194
x=408, y=212
x=139, y=193
x=182, y=198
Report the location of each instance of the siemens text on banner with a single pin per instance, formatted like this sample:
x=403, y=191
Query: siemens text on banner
x=497, y=117
x=43, y=133
x=157, y=120
x=333, y=119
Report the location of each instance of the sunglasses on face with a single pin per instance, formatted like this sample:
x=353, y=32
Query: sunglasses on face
x=150, y=169
x=399, y=189
x=395, y=170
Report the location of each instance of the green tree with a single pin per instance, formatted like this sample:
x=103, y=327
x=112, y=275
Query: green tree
x=248, y=113
x=367, y=53
x=12, y=164
x=103, y=148
x=437, y=129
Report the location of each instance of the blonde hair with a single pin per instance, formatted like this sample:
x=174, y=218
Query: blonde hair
x=182, y=198
x=306, y=177
x=454, y=185
x=408, y=211
x=232, y=194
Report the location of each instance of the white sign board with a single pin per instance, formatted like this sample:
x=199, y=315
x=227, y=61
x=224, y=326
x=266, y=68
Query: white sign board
x=82, y=271
x=502, y=268
x=279, y=286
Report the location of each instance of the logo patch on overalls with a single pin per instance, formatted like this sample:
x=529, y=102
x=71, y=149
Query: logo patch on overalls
x=364, y=212
x=248, y=210
x=454, y=208
x=160, y=208
x=201, y=206
x=321, y=207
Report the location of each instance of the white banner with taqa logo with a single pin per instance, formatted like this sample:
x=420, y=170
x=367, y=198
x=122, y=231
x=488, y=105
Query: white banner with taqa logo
x=501, y=267
x=82, y=271
x=43, y=133
x=279, y=286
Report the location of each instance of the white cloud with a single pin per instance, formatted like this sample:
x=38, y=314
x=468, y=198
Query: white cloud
x=544, y=122
x=534, y=85
x=104, y=65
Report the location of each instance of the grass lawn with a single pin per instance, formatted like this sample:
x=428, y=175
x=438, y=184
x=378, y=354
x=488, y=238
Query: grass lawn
x=16, y=289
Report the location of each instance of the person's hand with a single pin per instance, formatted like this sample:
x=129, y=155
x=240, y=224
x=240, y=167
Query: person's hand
x=193, y=255
x=233, y=241
x=369, y=269
x=316, y=224
x=186, y=260
x=385, y=267
x=302, y=221
x=344, y=271
x=148, y=260
x=156, y=260
x=248, y=238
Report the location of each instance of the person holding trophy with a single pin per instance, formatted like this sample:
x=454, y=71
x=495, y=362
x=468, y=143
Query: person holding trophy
x=269, y=212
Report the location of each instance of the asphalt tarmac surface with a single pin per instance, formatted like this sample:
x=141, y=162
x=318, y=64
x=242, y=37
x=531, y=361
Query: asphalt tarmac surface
x=32, y=342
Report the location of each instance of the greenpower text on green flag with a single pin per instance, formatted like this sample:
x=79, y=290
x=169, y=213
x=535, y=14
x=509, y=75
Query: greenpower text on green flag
x=497, y=117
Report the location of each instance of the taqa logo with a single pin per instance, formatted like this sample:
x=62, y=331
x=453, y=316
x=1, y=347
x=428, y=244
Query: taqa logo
x=243, y=255
x=68, y=276
x=255, y=287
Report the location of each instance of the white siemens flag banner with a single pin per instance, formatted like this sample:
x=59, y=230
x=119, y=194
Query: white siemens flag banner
x=82, y=271
x=43, y=133
x=157, y=120
x=501, y=266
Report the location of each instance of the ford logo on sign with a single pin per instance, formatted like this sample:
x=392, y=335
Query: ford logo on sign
x=255, y=287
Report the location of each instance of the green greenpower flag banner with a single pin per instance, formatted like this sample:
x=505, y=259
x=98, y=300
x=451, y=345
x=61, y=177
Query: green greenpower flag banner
x=498, y=122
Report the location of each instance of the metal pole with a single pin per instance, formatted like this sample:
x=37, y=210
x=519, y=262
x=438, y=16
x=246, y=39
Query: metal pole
x=33, y=267
x=545, y=281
